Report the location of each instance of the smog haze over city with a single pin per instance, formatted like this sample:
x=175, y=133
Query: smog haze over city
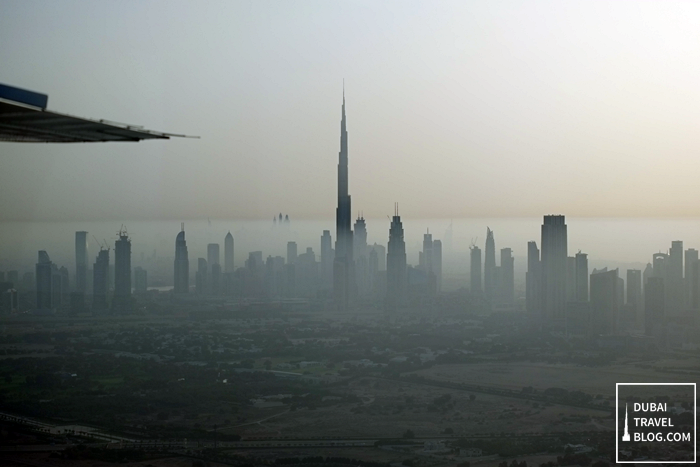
x=387, y=233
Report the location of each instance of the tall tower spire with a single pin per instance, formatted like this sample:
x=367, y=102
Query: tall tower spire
x=395, y=264
x=343, y=265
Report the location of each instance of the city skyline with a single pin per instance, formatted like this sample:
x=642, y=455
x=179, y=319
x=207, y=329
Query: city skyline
x=555, y=293
x=554, y=276
x=599, y=128
x=603, y=240
x=538, y=157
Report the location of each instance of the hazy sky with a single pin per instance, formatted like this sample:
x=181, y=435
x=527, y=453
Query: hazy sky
x=455, y=109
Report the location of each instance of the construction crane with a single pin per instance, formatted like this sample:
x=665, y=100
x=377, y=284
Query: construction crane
x=100, y=244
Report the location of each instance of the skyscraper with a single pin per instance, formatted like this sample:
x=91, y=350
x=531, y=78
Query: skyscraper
x=582, y=277
x=360, y=237
x=605, y=306
x=381, y=255
x=290, y=280
x=507, y=280
x=100, y=272
x=55, y=286
x=81, y=261
x=373, y=270
x=255, y=263
x=475, y=270
x=213, y=259
x=343, y=275
x=425, y=259
x=425, y=262
x=377, y=269
x=182, y=264
x=695, y=286
x=44, y=282
x=490, y=266
x=122, y=273
x=675, y=269
x=674, y=280
x=396, y=264
x=624, y=320
x=306, y=274
x=291, y=252
x=361, y=256
x=646, y=274
x=228, y=271
x=213, y=254
x=634, y=294
x=228, y=253
x=654, y=306
x=215, y=279
x=140, y=280
x=533, y=285
x=269, y=277
x=326, y=260
x=691, y=257
x=570, y=279
x=65, y=285
x=437, y=263
x=554, y=254
x=202, y=277
x=660, y=265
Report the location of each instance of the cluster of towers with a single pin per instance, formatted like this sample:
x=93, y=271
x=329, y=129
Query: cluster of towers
x=552, y=282
x=348, y=270
x=355, y=266
x=280, y=221
x=100, y=288
x=561, y=294
x=210, y=278
x=498, y=281
x=668, y=291
x=52, y=283
x=103, y=276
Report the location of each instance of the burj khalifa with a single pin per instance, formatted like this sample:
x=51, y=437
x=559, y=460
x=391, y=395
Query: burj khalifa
x=343, y=277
